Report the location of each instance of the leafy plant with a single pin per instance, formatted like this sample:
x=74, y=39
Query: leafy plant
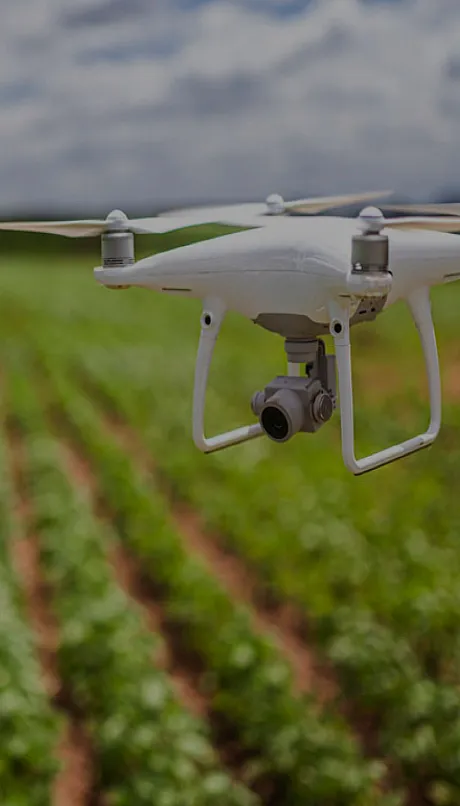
x=29, y=727
x=149, y=748
x=308, y=754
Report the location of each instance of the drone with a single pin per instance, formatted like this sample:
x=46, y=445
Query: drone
x=297, y=271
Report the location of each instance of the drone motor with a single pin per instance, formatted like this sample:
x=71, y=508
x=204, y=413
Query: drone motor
x=117, y=249
x=117, y=245
x=370, y=249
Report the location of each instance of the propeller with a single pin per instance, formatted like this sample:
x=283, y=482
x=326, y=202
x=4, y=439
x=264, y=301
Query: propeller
x=434, y=223
x=240, y=215
x=372, y=220
x=117, y=221
x=452, y=209
x=275, y=205
x=313, y=206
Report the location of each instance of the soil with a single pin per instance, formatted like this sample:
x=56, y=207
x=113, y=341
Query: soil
x=282, y=622
x=74, y=785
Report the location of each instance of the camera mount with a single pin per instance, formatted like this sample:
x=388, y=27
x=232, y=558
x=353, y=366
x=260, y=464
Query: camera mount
x=298, y=402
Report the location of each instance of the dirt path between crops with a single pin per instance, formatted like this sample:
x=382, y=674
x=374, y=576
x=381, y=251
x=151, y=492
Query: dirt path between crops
x=74, y=785
x=185, y=670
x=129, y=576
x=184, y=678
x=282, y=622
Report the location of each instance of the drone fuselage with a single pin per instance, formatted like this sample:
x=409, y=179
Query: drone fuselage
x=301, y=277
x=284, y=276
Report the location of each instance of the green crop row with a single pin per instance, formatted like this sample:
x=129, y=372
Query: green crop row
x=418, y=718
x=399, y=561
x=386, y=542
x=386, y=545
x=148, y=748
x=309, y=755
x=29, y=728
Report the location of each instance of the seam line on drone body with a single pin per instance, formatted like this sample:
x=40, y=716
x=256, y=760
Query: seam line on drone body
x=251, y=271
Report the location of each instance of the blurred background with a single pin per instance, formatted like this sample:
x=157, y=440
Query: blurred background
x=256, y=627
x=144, y=105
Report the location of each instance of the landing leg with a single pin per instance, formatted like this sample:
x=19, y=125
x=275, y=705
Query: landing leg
x=419, y=304
x=211, y=322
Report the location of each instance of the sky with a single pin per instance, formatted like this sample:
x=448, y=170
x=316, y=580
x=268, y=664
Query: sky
x=144, y=104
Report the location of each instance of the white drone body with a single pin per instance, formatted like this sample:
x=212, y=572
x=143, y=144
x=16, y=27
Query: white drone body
x=301, y=276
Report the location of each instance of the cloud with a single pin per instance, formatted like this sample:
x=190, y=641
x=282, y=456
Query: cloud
x=102, y=13
x=224, y=100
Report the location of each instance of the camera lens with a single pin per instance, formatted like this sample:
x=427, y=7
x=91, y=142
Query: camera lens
x=282, y=415
x=275, y=423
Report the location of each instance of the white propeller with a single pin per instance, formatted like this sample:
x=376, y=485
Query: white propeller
x=437, y=224
x=371, y=219
x=313, y=206
x=239, y=215
x=452, y=209
x=116, y=221
x=255, y=213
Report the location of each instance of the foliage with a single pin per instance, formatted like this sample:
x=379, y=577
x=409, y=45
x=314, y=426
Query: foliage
x=308, y=755
x=373, y=562
x=29, y=728
x=149, y=748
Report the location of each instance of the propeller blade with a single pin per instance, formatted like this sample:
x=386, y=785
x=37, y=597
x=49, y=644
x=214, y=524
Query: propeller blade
x=94, y=227
x=435, y=224
x=319, y=204
x=262, y=214
x=425, y=209
x=238, y=215
x=71, y=229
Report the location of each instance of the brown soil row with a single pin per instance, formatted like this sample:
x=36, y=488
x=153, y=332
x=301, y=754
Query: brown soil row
x=185, y=669
x=184, y=679
x=75, y=784
x=129, y=574
x=283, y=622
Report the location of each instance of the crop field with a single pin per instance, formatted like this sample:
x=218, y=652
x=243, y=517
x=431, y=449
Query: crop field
x=253, y=628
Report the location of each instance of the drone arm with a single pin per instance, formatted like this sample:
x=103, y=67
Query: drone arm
x=211, y=321
x=419, y=304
